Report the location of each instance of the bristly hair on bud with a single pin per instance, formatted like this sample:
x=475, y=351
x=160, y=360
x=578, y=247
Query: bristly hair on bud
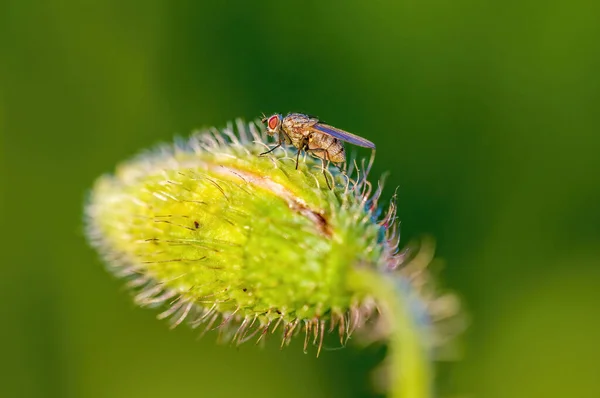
x=221, y=238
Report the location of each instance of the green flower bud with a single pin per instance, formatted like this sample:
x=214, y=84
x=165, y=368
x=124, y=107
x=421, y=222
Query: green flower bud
x=223, y=238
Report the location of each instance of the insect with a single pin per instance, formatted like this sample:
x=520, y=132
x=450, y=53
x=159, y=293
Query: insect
x=307, y=133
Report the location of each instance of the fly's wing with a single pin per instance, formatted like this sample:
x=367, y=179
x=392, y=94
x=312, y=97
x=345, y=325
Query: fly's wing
x=342, y=135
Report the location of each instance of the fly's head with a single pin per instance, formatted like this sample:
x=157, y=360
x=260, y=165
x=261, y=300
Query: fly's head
x=273, y=123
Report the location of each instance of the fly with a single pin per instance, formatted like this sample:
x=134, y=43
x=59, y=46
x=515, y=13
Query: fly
x=307, y=133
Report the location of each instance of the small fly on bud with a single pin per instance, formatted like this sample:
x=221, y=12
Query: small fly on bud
x=307, y=133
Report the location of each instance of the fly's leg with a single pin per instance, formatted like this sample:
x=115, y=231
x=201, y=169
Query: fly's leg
x=298, y=156
x=271, y=150
x=279, y=143
x=303, y=146
x=323, y=168
x=340, y=168
x=324, y=163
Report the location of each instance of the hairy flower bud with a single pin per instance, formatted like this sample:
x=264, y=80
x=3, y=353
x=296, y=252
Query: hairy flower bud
x=223, y=238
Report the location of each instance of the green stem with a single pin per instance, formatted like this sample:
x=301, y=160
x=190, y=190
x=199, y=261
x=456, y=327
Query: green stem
x=409, y=364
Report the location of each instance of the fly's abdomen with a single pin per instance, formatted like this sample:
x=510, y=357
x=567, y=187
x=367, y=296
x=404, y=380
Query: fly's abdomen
x=336, y=153
x=327, y=147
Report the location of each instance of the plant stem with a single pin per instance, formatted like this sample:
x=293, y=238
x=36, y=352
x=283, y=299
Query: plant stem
x=410, y=369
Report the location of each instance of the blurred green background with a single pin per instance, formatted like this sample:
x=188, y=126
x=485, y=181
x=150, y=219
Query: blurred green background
x=485, y=113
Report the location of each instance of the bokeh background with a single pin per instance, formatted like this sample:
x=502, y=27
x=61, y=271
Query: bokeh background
x=485, y=113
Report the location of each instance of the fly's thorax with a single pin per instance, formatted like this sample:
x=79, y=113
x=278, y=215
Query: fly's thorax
x=297, y=127
x=299, y=120
x=294, y=137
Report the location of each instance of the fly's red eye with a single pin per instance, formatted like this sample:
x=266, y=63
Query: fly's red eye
x=273, y=122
